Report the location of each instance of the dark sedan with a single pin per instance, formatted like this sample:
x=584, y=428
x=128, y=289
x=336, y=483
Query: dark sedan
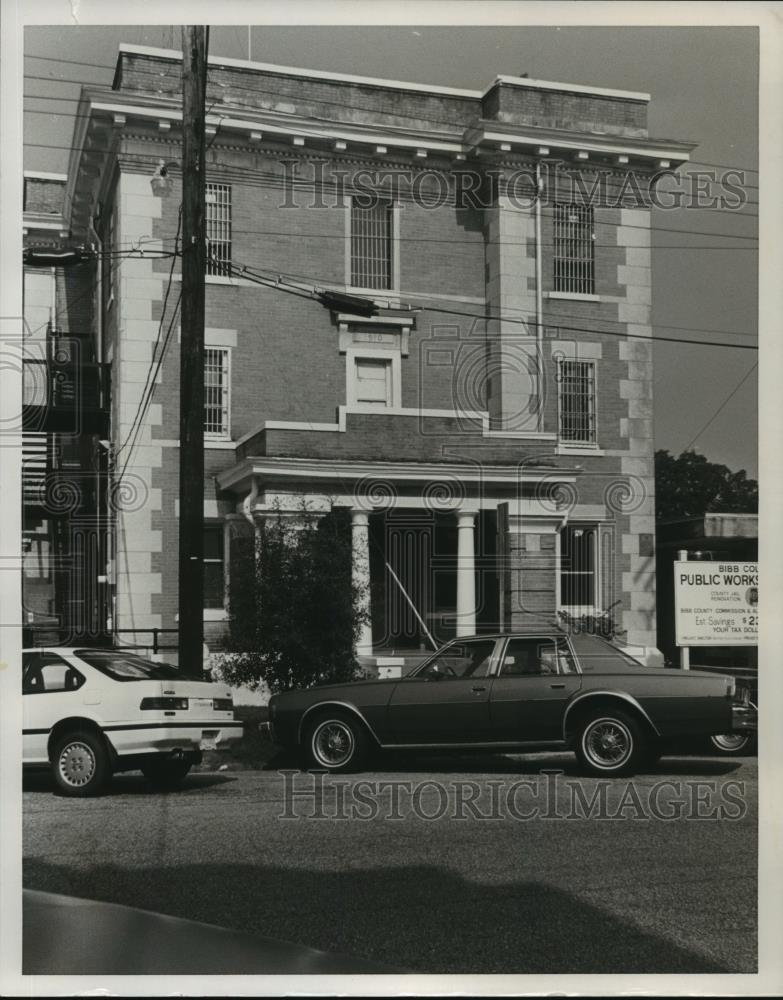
x=523, y=691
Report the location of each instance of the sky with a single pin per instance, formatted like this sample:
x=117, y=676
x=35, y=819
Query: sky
x=704, y=87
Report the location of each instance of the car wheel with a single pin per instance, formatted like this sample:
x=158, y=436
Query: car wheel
x=610, y=743
x=732, y=744
x=335, y=743
x=80, y=764
x=166, y=774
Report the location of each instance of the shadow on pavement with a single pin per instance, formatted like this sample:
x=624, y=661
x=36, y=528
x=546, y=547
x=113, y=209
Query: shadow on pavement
x=415, y=762
x=128, y=784
x=508, y=927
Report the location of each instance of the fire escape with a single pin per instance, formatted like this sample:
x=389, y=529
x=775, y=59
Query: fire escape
x=65, y=487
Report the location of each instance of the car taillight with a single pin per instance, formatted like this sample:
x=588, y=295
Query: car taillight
x=223, y=704
x=164, y=704
x=731, y=687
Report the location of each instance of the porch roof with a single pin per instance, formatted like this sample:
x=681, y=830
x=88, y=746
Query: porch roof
x=241, y=477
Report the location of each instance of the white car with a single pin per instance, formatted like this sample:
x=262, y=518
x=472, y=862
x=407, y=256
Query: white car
x=91, y=712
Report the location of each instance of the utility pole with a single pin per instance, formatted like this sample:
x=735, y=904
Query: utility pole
x=191, y=368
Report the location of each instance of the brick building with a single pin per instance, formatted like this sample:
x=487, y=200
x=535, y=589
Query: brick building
x=489, y=427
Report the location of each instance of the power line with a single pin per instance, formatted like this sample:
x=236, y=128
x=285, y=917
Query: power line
x=736, y=212
x=460, y=126
x=356, y=107
x=275, y=282
x=273, y=181
x=242, y=269
x=142, y=404
x=723, y=405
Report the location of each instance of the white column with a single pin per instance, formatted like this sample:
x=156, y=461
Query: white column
x=360, y=537
x=466, y=574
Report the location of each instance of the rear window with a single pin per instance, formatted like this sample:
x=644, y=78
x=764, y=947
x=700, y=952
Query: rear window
x=597, y=654
x=122, y=666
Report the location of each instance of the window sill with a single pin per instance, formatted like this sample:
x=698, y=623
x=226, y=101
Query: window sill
x=215, y=615
x=219, y=442
x=572, y=296
x=575, y=449
x=373, y=293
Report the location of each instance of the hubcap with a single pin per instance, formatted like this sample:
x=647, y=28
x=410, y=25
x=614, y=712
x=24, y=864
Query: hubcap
x=333, y=743
x=77, y=764
x=607, y=743
x=730, y=741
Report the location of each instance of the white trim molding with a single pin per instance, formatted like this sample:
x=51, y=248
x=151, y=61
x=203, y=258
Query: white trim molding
x=269, y=468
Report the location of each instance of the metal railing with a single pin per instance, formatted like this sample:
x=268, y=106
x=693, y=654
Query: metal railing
x=156, y=646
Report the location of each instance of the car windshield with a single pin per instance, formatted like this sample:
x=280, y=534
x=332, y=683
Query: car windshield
x=123, y=666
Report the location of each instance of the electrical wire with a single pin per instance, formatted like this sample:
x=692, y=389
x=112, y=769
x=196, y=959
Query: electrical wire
x=355, y=107
x=276, y=280
x=723, y=405
x=142, y=404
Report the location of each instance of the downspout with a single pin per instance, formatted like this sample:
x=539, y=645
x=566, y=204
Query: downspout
x=250, y=499
x=539, y=299
x=99, y=293
x=105, y=530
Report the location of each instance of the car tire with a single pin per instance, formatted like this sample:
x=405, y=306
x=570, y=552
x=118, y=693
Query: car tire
x=610, y=743
x=335, y=742
x=80, y=764
x=166, y=775
x=732, y=744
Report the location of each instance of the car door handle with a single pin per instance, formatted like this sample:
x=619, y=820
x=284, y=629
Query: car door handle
x=557, y=685
x=477, y=689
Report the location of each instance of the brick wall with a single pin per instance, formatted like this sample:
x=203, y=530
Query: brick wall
x=523, y=105
x=310, y=97
x=46, y=197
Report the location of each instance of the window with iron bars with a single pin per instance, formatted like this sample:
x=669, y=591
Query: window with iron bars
x=577, y=423
x=372, y=245
x=217, y=392
x=574, y=253
x=218, y=228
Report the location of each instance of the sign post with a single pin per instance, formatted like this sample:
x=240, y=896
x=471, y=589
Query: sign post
x=685, y=651
x=715, y=604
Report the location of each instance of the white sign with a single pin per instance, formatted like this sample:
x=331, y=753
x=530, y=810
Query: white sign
x=716, y=603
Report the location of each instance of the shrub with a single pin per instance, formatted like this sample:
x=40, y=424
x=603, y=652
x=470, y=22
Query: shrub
x=602, y=624
x=294, y=615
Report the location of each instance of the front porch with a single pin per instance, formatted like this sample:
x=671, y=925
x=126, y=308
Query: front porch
x=438, y=550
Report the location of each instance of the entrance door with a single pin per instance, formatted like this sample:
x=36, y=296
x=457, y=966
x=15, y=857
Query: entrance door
x=448, y=700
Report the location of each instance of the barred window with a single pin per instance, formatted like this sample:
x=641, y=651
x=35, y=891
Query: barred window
x=574, y=249
x=214, y=568
x=217, y=392
x=372, y=239
x=578, y=566
x=218, y=228
x=577, y=423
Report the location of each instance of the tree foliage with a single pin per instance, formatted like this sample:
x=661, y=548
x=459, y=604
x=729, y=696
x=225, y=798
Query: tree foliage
x=690, y=486
x=294, y=615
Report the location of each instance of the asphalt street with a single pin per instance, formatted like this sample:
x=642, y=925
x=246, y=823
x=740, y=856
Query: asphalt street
x=481, y=864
